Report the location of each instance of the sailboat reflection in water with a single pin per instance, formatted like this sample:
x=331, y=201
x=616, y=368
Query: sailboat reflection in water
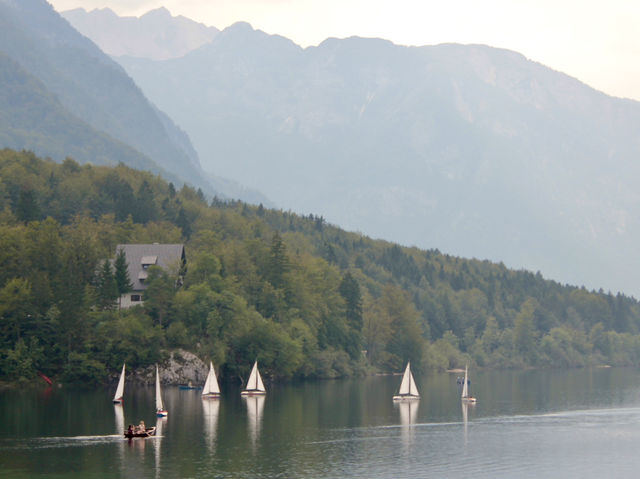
x=157, y=443
x=210, y=410
x=255, y=405
x=465, y=418
x=119, y=417
x=408, y=417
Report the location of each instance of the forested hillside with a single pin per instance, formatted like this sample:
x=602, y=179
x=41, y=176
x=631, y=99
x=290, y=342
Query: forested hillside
x=305, y=298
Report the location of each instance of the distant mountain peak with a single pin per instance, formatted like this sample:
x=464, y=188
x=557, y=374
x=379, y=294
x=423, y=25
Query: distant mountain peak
x=160, y=12
x=240, y=27
x=156, y=35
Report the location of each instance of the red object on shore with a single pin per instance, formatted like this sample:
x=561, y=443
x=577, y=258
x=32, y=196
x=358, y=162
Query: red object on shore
x=49, y=381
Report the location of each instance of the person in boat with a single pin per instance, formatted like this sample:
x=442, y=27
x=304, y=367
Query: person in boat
x=141, y=427
x=130, y=429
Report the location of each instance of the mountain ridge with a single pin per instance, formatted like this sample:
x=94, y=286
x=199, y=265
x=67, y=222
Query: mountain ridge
x=428, y=146
x=95, y=89
x=156, y=34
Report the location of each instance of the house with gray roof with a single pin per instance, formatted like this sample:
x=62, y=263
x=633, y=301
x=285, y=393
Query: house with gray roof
x=140, y=257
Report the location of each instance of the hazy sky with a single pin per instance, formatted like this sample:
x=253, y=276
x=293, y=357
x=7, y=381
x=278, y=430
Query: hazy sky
x=596, y=41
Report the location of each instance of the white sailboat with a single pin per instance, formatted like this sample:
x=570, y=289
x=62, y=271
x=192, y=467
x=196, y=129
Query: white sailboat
x=255, y=386
x=211, y=389
x=408, y=389
x=465, y=388
x=160, y=410
x=117, y=397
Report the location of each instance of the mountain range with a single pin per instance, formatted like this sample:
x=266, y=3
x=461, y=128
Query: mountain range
x=62, y=96
x=473, y=150
x=156, y=34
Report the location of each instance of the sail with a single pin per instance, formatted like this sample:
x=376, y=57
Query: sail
x=259, y=384
x=465, y=388
x=159, y=405
x=211, y=384
x=120, y=389
x=408, y=385
x=255, y=381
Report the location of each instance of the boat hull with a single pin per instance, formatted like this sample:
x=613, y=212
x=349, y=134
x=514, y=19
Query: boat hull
x=118, y=401
x=162, y=413
x=406, y=397
x=150, y=431
x=253, y=393
x=211, y=396
x=469, y=400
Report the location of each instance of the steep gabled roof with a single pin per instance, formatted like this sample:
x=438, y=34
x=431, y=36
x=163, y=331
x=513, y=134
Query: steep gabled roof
x=141, y=256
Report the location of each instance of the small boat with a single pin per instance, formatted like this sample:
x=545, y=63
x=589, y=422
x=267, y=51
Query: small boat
x=465, y=388
x=189, y=386
x=211, y=389
x=408, y=389
x=160, y=410
x=131, y=432
x=255, y=386
x=117, y=397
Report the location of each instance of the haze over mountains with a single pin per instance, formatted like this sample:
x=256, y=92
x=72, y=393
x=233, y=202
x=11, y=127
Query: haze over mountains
x=62, y=96
x=473, y=150
x=470, y=149
x=155, y=35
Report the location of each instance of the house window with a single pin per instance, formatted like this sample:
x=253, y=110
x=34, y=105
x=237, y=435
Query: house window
x=136, y=298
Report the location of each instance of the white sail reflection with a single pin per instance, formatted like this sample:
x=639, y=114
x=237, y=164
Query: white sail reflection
x=465, y=419
x=119, y=419
x=255, y=405
x=210, y=409
x=408, y=416
x=157, y=442
x=119, y=415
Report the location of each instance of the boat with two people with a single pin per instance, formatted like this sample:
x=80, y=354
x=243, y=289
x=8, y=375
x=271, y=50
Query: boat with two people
x=139, y=431
x=408, y=390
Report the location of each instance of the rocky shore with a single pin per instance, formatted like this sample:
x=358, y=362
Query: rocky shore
x=182, y=367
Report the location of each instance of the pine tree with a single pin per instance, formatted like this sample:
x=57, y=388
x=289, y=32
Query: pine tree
x=278, y=262
x=106, y=287
x=121, y=275
x=350, y=291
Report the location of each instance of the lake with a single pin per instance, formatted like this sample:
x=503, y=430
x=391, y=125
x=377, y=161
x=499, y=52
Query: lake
x=527, y=424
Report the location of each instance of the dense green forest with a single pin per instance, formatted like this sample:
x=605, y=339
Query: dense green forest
x=307, y=299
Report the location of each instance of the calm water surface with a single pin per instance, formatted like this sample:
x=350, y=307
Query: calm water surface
x=532, y=424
